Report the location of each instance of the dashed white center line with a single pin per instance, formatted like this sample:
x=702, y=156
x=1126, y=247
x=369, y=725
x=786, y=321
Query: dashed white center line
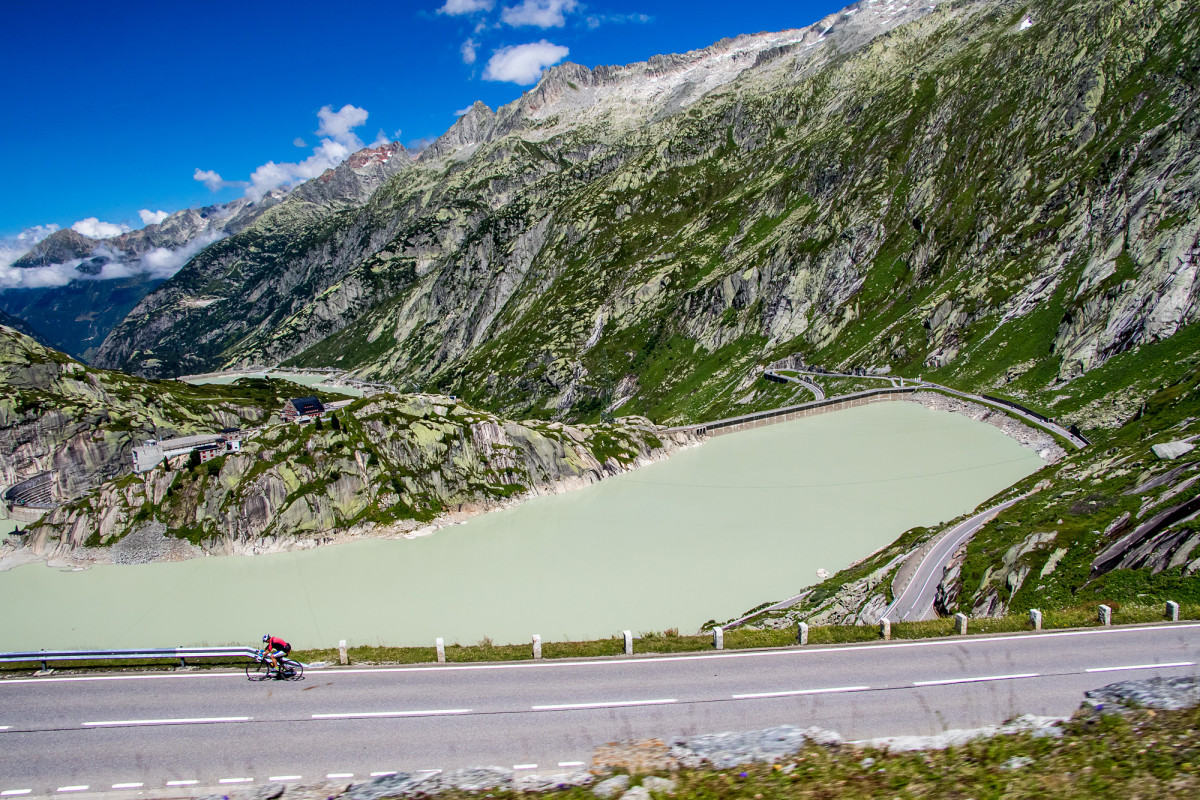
x=182, y=783
x=128, y=785
x=284, y=778
x=5, y=727
x=948, y=681
x=524, y=766
x=15, y=792
x=1142, y=666
x=798, y=692
x=340, y=775
x=374, y=714
x=182, y=721
x=613, y=704
x=382, y=774
x=73, y=788
x=236, y=780
x=570, y=763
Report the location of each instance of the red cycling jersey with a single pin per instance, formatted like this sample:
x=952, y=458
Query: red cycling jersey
x=278, y=644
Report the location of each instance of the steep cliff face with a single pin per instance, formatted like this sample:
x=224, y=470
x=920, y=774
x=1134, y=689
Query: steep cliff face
x=80, y=424
x=994, y=193
x=391, y=464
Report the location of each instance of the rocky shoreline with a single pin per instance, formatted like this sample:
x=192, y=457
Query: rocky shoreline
x=1040, y=441
x=150, y=543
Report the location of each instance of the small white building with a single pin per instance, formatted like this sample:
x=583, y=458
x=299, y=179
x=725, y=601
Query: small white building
x=150, y=454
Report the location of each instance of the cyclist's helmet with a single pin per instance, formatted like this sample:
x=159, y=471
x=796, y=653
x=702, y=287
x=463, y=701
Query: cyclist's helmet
x=267, y=638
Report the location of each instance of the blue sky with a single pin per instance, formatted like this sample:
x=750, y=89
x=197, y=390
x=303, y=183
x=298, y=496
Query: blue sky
x=114, y=107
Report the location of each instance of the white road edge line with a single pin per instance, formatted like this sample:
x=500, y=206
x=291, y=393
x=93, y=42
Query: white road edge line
x=796, y=692
x=236, y=780
x=382, y=774
x=188, y=721
x=948, y=681
x=570, y=763
x=284, y=778
x=128, y=785
x=373, y=714
x=795, y=652
x=614, y=704
x=1142, y=666
x=15, y=792
x=182, y=783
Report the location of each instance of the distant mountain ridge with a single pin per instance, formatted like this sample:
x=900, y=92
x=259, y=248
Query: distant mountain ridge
x=76, y=317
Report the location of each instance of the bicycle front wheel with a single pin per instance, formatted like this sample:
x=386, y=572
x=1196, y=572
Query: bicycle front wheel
x=258, y=671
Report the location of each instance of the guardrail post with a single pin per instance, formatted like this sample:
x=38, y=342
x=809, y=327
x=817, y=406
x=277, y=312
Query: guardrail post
x=885, y=628
x=1105, y=615
x=960, y=624
x=1173, y=611
x=343, y=659
x=628, y=642
x=537, y=646
x=1035, y=619
x=802, y=633
x=718, y=638
x=441, y=650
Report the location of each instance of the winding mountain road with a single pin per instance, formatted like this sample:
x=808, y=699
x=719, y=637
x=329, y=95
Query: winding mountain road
x=160, y=732
x=916, y=601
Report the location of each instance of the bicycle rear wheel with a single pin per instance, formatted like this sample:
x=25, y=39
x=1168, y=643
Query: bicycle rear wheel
x=294, y=670
x=258, y=671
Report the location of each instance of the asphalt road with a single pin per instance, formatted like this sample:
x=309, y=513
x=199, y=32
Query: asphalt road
x=190, y=730
x=916, y=601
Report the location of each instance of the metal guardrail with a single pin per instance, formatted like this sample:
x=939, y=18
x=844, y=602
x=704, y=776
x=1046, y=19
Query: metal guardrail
x=44, y=657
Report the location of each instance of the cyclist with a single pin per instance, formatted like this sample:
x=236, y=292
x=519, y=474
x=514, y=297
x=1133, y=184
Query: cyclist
x=272, y=646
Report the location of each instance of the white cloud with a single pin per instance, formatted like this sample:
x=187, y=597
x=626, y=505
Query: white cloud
x=468, y=51
x=596, y=20
x=338, y=125
x=95, y=229
x=211, y=179
x=163, y=263
x=523, y=63
x=462, y=111
x=539, y=13
x=299, y=142
x=455, y=8
x=152, y=217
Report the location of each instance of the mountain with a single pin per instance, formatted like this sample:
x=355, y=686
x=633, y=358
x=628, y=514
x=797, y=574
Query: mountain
x=988, y=192
x=103, y=279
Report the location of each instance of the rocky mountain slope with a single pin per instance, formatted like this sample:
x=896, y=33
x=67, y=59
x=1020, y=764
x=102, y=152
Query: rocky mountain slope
x=994, y=193
x=80, y=424
x=388, y=464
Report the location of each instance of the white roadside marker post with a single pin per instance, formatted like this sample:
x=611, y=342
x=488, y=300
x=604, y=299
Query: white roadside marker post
x=1035, y=619
x=718, y=638
x=537, y=646
x=960, y=624
x=441, y=650
x=343, y=659
x=1172, y=611
x=802, y=633
x=885, y=628
x=1105, y=615
x=628, y=642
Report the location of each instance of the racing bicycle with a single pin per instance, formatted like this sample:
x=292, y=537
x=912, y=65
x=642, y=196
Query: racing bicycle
x=262, y=669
